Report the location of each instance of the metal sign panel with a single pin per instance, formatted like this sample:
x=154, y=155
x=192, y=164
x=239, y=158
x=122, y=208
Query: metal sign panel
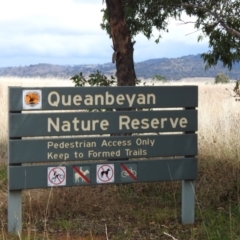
x=85, y=123
x=38, y=176
x=93, y=148
x=66, y=98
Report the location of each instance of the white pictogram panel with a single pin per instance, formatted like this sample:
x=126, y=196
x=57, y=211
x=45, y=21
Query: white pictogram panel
x=56, y=176
x=105, y=173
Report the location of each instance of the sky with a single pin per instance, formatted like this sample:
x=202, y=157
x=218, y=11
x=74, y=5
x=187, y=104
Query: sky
x=68, y=32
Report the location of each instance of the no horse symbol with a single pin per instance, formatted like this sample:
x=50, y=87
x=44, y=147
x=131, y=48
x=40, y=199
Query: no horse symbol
x=105, y=173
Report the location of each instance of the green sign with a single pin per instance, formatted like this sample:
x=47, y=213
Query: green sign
x=84, y=123
x=113, y=143
x=59, y=98
x=95, y=148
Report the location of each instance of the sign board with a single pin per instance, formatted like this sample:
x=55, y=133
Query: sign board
x=65, y=124
x=70, y=98
x=53, y=127
x=94, y=148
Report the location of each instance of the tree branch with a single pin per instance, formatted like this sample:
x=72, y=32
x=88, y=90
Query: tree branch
x=217, y=16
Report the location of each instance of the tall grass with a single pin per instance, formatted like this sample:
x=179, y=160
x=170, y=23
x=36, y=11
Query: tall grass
x=143, y=211
x=219, y=125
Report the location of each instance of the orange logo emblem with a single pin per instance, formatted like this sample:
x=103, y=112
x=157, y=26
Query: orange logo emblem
x=32, y=98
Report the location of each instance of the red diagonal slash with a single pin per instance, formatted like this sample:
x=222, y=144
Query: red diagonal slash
x=129, y=172
x=81, y=174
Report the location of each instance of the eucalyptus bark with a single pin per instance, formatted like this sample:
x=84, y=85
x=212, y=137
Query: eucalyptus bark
x=122, y=44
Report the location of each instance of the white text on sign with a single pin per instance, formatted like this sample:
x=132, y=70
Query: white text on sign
x=125, y=123
x=55, y=99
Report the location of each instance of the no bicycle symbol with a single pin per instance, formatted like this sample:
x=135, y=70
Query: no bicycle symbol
x=56, y=176
x=105, y=173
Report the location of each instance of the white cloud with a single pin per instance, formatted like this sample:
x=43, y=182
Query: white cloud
x=28, y=15
x=57, y=28
x=70, y=29
x=179, y=41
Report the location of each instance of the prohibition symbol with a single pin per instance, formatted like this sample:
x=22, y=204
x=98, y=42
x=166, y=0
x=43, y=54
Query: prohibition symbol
x=56, y=176
x=129, y=172
x=81, y=176
x=105, y=173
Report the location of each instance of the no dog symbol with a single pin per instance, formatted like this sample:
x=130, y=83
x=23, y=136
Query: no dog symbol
x=105, y=173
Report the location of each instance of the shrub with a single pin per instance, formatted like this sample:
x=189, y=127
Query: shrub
x=159, y=78
x=222, y=78
x=95, y=79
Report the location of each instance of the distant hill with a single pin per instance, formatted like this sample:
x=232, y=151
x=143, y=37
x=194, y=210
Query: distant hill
x=171, y=68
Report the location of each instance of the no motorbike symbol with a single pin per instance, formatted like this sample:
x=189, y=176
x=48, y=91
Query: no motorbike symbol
x=56, y=176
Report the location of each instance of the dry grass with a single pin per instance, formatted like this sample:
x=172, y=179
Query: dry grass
x=142, y=211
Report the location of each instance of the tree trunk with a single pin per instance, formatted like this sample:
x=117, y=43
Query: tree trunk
x=122, y=44
x=123, y=49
